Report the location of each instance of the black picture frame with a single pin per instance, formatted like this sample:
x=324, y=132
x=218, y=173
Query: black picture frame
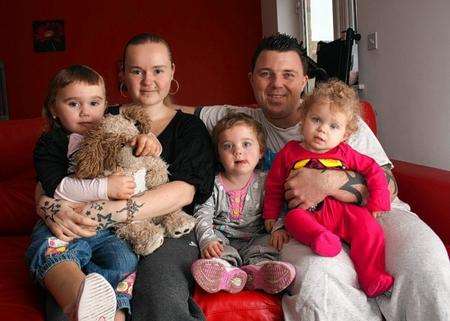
x=48, y=35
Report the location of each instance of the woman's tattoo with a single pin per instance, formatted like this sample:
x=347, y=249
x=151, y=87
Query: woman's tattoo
x=131, y=208
x=95, y=212
x=353, y=179
x=51, y=209
x=106, y=219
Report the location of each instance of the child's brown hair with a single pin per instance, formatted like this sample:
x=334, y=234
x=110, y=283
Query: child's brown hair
x=341, y=98
x=236, y=118
x=65, y=77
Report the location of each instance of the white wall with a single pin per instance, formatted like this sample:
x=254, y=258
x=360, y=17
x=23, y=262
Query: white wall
x=408, y=78
x=280, y=16
x=288, y=21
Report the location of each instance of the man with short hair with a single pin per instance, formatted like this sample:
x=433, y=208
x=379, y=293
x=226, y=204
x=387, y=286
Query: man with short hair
x=327, y=288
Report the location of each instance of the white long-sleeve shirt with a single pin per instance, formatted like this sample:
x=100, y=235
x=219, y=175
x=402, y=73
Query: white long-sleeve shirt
x=80, y=190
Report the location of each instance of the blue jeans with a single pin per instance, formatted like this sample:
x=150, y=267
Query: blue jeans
x=103, y=253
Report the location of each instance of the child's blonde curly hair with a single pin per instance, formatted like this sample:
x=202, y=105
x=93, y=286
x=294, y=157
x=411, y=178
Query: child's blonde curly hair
x=341, y=98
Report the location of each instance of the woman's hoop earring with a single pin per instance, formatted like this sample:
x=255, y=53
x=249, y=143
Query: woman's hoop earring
x=122, y=89
x=176, y=90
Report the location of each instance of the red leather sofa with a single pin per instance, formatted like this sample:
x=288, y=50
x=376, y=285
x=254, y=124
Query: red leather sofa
x=426, y=189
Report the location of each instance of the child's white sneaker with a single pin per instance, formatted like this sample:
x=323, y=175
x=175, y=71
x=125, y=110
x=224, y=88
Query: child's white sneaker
x=96, y=300
x=213, y=275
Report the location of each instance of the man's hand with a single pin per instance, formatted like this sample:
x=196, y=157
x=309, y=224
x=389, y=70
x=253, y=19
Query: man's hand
x=120, y=187
x=146, y=145
x=64, y=220
x=278, y=238
x=213, y=249
x=306, y=187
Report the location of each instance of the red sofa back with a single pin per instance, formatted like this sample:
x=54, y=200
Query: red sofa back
x=17, y=176
x=427, y=191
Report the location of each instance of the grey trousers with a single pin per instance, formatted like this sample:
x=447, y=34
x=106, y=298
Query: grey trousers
x=238, y=252
x=162, y=291
x=327, y=288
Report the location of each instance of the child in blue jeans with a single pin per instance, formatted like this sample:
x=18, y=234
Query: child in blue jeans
x=76, y=102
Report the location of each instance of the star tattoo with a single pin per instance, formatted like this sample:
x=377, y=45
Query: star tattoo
x=105, y=221
x=51, y=210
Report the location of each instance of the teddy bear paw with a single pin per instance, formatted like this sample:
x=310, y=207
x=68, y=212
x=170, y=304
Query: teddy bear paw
x=148, y=247
x=179, y=224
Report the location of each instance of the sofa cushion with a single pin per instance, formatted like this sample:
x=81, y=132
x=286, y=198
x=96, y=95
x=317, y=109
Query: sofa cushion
x=243, y=306
x=19, y=297
x=18, y=138
x=369, y=116
x=417, y=181
x=18, y=214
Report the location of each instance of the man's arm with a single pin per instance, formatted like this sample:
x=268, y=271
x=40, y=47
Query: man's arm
x=354, y=190
x=307, y=187
x=392, y=183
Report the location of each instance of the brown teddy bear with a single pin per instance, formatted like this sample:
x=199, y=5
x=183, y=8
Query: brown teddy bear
x=105, y=149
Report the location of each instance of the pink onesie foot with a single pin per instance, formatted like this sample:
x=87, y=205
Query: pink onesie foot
x=326, y=244
x=269, y=276
x=213, y=275
x=382, y=284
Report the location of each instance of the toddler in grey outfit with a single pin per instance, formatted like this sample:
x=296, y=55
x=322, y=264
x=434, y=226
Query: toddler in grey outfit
x=230, y=230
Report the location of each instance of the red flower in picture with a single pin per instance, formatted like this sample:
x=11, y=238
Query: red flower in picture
x=49, y=35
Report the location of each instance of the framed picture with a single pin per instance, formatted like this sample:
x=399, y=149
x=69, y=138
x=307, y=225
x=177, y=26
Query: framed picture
x=48, y=35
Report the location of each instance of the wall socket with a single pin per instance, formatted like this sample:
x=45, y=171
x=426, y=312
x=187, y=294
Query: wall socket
x=372, y=41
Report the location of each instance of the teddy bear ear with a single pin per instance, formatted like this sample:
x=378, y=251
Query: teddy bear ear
x=90, y=156
x=111, y=145
x=98, y=154
x=138, y=115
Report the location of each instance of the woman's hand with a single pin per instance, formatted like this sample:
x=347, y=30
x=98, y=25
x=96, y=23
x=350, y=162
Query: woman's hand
x=64, y=220
x=146, y=145
x=278, y=238
x=213, y=249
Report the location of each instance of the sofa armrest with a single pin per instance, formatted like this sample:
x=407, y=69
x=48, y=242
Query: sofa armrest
x=427, y=191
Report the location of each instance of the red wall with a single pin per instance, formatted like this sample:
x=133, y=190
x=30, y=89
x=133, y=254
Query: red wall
x=212, y=42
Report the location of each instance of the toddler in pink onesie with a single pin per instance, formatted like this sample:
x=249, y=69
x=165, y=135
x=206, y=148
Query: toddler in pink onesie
x=329, y=117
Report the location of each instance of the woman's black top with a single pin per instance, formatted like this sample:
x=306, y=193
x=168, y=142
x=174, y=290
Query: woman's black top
x=186, y=147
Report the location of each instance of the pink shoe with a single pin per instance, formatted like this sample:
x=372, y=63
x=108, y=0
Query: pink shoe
x=269, y=276
x=213, y=275
x=97, y=300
